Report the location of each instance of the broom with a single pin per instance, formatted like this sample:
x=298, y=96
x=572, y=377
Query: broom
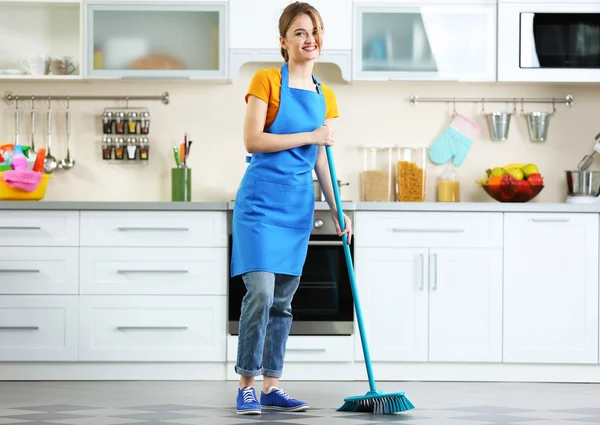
x=373, y=401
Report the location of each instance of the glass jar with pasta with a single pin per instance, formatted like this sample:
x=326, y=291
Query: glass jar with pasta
x=411, y=182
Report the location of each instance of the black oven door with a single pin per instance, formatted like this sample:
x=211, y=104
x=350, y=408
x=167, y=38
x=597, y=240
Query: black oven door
x=323, y=303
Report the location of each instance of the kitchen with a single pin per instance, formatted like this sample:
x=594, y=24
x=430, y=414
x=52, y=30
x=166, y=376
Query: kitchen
x=497, y=241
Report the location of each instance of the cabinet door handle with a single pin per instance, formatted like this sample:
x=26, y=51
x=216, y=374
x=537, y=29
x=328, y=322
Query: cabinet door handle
x=414, y=230
x=305, y=350
x=550, y=220
x=20, y=228
x=435, y=270
x=19, y=328
x=151, y=271
x=152, y=328
x=154, y=229
x=19, y=271
x=422, y=272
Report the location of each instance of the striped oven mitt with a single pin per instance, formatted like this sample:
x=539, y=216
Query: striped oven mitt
x=455, y=142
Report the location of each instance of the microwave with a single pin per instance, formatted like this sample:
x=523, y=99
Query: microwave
x=549, y=41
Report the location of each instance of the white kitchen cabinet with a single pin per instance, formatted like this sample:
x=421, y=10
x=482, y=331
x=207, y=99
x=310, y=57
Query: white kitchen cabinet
x=551, y=288
x=150, y=328
x=465, y=305
x=39, y=228
x=424, y=42
x=155, y=39
x=153, y=271
x=254, y=27
x=35, y=28
x=38, y=328
x=393, y=290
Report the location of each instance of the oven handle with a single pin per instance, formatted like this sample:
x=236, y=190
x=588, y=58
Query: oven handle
x=325, y=243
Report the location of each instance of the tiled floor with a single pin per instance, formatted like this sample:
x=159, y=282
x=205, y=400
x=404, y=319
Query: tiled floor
x=213, y=403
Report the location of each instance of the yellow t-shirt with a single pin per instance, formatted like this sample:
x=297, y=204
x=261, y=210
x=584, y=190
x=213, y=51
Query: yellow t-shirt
x=266, y=84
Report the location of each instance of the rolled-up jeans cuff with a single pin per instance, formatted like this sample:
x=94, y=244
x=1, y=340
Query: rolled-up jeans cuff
x=244, y=372
x=272, y=373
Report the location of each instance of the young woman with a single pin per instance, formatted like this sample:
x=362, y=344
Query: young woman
x=287, y=126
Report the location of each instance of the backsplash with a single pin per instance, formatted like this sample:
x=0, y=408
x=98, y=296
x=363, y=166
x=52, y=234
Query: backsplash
x=370, y=113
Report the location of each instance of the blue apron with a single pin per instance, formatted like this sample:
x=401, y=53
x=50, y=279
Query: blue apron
x=274, y=206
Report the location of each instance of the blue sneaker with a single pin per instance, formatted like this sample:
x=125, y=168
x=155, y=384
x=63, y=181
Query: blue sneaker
x=277, y=399
x=247, y=404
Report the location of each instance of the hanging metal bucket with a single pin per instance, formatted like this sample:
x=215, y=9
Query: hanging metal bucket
x=538, y=123
x=499, y=124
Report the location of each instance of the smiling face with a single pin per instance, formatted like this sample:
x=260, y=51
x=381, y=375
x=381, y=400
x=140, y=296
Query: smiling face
x=301, y=30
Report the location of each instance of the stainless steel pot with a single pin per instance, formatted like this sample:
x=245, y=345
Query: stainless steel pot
x=583, y=183
x=320, y=196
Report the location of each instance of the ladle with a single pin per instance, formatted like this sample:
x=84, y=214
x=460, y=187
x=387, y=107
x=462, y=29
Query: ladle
x=50, y=162
x=68, y=163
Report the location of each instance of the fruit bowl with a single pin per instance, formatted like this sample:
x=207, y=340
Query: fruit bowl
x=503, y=194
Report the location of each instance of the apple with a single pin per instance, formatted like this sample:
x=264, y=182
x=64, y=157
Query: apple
x=524, y=188
x=535, y=180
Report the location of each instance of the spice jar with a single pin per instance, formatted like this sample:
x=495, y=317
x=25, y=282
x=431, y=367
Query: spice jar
x=377, y=176
x=107, y=148
x=132, y=123
x=119, y=148
x=449, y=185
x=107, y=122
x=131, y=148
x=144, y=148
x=120, y=122
x=144, y=122
x=410, y=173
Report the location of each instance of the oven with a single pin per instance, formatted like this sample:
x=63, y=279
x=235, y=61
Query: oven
x=549, y=41
x=323, y=303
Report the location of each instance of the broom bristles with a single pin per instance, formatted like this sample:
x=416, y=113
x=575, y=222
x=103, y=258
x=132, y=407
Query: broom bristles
x=384, y=404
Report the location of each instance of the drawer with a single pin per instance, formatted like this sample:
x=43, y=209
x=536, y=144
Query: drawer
x=39, y=228
x=37, y=270
x=423, y=230
x=38, y=328
x=154, y=228
x=150, y=328
x=301, y=348
x=147, y=271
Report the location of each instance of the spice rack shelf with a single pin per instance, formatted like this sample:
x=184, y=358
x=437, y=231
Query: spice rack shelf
x=125, y=137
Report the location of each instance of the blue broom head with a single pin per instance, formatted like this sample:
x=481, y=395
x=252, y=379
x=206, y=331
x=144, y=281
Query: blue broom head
x=378, y=403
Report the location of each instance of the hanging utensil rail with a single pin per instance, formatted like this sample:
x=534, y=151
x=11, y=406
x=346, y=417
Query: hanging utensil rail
x=568, y=100
x=164, y=98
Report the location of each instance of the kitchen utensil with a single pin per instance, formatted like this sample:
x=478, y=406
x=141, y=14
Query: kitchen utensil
x=499, y=124
x=68, y=162
x=50, y=161
x=587, y=160
x=16, y=122
x=373, y=401
x=319, y=195
x=33, y=151
x=583, y=183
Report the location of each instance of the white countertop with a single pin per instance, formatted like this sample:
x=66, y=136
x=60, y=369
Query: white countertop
x=349, y=206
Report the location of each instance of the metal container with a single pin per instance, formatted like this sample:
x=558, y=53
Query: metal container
x=583, y=183
x=319, y=195
x=499, y=123
x=538, y=123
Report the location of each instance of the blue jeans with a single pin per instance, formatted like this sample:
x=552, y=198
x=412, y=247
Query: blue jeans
x=265, y=321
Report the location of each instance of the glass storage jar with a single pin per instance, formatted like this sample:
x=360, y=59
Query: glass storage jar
x=409, y=165
x=377, y=177
x=449, y=185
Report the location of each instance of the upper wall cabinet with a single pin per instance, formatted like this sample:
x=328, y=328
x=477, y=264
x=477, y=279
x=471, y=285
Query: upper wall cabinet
x=168, y=39
x=254, y=33
x=426, y=42
x=40, y=39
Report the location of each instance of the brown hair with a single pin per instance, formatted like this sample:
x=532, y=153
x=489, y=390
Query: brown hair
x=290, y=13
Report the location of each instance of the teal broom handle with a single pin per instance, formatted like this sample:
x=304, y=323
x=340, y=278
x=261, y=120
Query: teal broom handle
x=340, y=213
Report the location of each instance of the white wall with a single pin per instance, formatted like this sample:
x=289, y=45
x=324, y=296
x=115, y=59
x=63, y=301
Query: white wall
x=370, y=113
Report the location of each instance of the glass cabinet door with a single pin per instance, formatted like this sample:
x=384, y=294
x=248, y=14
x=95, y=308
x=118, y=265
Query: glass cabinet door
x=155, y=40
x=425, y=43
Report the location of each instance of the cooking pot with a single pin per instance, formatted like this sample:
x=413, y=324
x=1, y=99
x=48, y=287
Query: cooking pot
x=319, y=195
